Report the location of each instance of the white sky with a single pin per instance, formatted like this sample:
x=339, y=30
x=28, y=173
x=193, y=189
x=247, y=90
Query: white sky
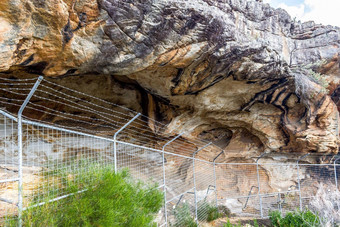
x=326, y=12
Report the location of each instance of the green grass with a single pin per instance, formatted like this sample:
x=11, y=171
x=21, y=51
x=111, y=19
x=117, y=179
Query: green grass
x=110, y=200
x=295, y=219
x=228, y=224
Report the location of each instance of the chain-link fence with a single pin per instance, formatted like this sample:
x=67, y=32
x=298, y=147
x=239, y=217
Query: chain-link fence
x=49, y=133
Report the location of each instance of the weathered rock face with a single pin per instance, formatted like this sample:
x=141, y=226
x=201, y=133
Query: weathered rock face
x=240, y=72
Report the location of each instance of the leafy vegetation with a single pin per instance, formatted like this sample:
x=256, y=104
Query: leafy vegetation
x=207, y=211
x=228, y=224
x=319, y=79
x=183, y=216
x=296, y=219
x=109, y=200
x=310, y=71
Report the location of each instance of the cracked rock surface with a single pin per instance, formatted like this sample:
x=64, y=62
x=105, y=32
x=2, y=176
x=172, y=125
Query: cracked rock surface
x=243, y=74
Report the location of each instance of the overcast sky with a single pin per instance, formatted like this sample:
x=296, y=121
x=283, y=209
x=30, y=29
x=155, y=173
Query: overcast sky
x=321, y=11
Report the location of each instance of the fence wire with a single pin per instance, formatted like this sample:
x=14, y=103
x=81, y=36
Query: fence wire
x=66, y=133
x=8, y=167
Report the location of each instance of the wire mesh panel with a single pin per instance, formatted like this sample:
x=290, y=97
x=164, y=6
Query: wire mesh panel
x=279, y=201
x=288, y=201
x=312, y=177
x=179, y=188
x=55, y=160
x=237, y=187
x=337, y=174
x=177, y=176
x=8, y=168
x=270, y=202
x=278, y=187
x=181, y=210
x=205, y=189
x=160, y=218
x=143, y=163
x=248, y=189
x=245, y=206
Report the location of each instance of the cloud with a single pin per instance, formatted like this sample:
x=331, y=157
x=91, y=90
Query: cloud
x=326, y=12
x=294, y=11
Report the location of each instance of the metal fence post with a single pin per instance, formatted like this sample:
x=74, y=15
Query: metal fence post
x=259, y=183
x=298, y=175
x=214, y=166
x=335, y=173
x=279, y=202
x=20, y=148
x=337, y=121
x=115, y=140
x=164, y=181
x=193, y=175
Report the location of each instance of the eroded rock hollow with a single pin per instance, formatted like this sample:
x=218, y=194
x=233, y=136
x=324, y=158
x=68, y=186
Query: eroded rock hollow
x=242, y=74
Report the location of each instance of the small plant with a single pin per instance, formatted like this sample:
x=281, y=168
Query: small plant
x=296, y=219
x=305, y=80
x=109, y=200
x=311, y=71
x=228, y=224
x=183, y=216
x=275, y=217
x=319, y=79
x=207, y=211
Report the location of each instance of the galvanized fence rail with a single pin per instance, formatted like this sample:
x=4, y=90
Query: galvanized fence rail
x=58, y=130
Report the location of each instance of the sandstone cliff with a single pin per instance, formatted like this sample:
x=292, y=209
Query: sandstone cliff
x=243, y=74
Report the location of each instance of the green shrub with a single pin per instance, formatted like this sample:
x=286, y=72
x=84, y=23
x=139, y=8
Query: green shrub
x=183, y=216
x=110, y=200
x=296, y=219
x=207, y=211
